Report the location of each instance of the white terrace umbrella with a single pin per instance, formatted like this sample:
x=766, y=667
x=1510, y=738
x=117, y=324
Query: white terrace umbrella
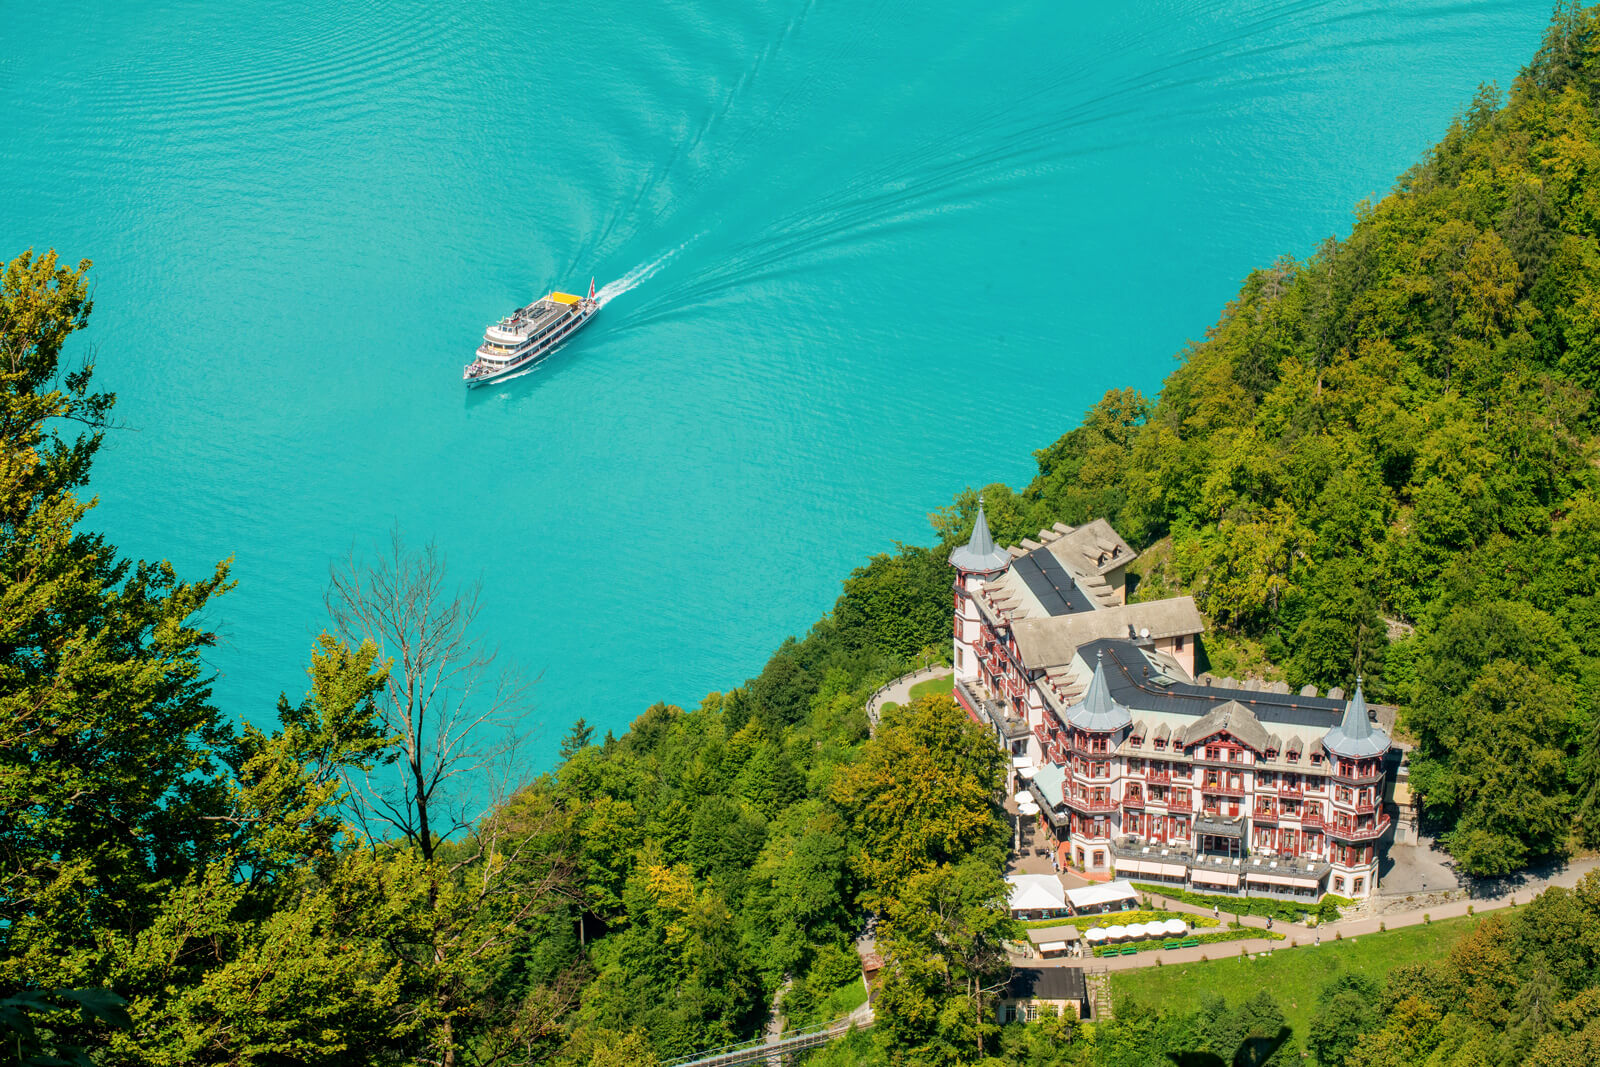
x=1134, y=931
x=1095, y=934
x=1176, y=926
x=1116, y=933
x=1023, y=797
x=1029, y=808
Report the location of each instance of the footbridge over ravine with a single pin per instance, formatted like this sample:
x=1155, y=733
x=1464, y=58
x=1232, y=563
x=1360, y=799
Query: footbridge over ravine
x=780, y=1051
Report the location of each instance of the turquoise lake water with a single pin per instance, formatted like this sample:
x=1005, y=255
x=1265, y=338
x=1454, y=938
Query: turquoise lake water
x=857, y=256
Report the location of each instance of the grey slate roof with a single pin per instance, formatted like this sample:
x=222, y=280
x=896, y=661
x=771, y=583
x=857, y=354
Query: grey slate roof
x=1046, y=983
x=1218, y=826
x=1355, y=736
x=1052, y=642
x=1233, y=717
x=980, y=553
x=1099, y=710
x=1093, y=548
x=1284, y=714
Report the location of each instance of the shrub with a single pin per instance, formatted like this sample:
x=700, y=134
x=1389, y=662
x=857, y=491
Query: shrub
x=1327, y=909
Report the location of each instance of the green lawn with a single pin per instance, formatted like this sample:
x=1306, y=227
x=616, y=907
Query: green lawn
x=944, y=685
x=1292, y=975
x=844, y=1000
x=932, y=685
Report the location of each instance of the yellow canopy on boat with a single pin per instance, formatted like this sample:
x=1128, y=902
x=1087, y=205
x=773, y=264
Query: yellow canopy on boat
x=565, y=298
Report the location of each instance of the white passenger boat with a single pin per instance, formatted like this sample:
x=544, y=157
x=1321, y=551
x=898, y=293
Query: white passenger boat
x=528, y=335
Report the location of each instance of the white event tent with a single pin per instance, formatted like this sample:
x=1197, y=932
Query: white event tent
x=1113, y=896
x=1036, y=894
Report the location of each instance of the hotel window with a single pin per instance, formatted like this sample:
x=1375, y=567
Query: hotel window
x=1213, y=752
x=1360, y=884
x=1099, y=770
x=1338, y=884
x=1177, y=644
x=1100, y=858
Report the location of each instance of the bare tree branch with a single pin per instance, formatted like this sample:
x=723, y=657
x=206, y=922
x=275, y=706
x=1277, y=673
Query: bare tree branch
x=455, y=713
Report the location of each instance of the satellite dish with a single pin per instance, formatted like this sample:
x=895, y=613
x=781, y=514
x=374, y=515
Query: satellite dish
x=1145, y=633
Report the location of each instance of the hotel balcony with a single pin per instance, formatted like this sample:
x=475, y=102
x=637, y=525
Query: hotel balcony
x=1296, y=878
x=1266, y=814
x=1222, y=789
x=1311, y=819
x=1006, y=726
x=1290, y=790
x=1355, y=807
x=1092, y=805
x=1158, y=777
x=1354, y=833
x=1133, y=798
x=1363, y=777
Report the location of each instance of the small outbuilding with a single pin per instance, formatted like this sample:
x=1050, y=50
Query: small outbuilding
x=1036, y=896
x=1049, y=942
x=1030, y=989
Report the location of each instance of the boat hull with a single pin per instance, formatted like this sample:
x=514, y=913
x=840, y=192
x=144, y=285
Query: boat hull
x=534, y=354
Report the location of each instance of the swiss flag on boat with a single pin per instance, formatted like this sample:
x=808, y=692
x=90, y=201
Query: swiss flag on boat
x=591, y=288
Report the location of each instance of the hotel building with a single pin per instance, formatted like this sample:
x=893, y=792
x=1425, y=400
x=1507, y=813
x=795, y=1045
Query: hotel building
x=1140, y=769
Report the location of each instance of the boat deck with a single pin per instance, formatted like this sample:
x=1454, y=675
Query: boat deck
x=531, y=318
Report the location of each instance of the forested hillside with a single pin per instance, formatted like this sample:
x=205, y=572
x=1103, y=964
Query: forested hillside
x=1381, y=460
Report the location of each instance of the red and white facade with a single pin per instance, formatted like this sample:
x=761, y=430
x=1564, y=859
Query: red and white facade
x=1138, y=768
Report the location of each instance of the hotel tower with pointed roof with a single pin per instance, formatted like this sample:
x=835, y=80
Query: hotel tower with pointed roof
x=1140, y=769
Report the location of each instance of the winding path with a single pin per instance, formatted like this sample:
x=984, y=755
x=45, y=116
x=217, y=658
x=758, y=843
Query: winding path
x=1306, y=937
x=899, y=690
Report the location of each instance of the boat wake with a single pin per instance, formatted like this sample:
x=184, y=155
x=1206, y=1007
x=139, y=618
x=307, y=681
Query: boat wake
x=639, y=275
